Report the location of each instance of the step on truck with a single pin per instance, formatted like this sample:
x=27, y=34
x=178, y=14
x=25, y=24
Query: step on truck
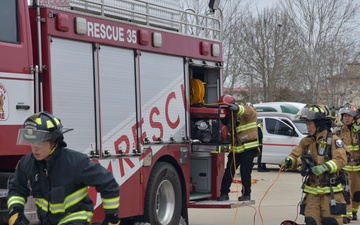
x=138, y=81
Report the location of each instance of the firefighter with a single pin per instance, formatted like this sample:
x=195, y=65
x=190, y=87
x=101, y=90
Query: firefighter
x=58, y=178
x=322, y=155
x=349, y=133
x=244, y=148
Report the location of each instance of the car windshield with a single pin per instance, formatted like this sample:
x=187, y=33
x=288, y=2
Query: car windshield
x=301, y=126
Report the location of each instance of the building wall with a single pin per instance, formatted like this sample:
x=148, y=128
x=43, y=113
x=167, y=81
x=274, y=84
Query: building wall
x=349, y=84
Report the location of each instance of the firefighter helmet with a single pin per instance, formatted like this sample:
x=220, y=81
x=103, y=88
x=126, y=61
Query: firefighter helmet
x=313, y=112
x=288, y=222
x=41, y=127
x=226, y=99
x=348, y=109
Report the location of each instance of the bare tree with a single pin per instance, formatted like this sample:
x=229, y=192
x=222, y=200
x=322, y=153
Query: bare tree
x=323, y=29
x=288, y=53
x=233, y=13
x=267, y=47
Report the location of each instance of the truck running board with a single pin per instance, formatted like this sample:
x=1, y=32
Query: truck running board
x=220, y=204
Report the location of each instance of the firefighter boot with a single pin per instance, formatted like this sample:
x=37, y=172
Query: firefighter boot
x=223, y=197
x=346, y=220
x=354, y=216
x=244, y=198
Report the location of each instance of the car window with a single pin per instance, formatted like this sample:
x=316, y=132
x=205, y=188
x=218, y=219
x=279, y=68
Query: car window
x=274, y=126
x=9, y=29
x=301, y=126
x=287, y=122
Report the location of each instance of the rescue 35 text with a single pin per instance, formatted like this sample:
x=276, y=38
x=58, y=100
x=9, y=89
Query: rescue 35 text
x=99, y=30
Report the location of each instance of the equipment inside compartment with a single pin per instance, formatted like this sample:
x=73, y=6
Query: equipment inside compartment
x=197, y=91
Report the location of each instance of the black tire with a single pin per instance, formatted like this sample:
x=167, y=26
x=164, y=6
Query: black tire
x=163, y=196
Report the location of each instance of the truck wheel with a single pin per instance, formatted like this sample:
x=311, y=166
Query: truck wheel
x=163, y=196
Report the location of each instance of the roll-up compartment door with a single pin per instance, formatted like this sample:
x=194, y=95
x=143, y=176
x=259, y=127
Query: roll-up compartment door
x=117, y=98
x=162, y=100
x=72, y=76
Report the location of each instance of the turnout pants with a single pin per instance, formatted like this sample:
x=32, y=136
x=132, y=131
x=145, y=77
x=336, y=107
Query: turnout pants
x=318, y=208
x=245, y=161
x=354, y=183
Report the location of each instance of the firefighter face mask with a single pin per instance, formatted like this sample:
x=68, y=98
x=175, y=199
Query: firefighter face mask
x=39, y=140
x=28, y=136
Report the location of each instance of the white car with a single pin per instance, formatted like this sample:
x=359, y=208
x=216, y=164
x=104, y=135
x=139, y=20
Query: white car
x=281, y=132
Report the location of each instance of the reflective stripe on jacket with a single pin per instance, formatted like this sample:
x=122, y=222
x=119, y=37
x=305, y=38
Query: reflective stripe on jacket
x=318, y=190
x=60, y=186
x=246, y=130
x=309, y=145
x=350, y=139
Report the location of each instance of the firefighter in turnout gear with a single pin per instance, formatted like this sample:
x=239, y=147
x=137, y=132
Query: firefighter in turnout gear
x=58, y=178
x=349, y=133
x=244, y=149
x=322, y=155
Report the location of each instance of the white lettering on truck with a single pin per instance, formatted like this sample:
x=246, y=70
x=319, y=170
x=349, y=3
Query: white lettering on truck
x=103, y=31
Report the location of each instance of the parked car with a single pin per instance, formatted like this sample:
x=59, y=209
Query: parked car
x=281, y=132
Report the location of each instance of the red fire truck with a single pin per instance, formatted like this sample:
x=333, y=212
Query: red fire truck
x=138, y=81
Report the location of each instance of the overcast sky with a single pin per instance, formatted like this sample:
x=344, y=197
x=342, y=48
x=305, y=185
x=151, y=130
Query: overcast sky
x=264, y=3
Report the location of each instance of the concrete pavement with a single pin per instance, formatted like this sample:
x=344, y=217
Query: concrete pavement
x=276, y=199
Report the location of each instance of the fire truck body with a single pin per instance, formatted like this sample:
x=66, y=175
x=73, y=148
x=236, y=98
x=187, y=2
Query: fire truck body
x=137, y=88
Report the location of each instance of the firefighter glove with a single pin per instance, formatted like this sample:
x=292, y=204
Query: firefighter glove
x=318, y=170
x=111, y=219
x=233, y=107
x=287, y=163
x=17, y=217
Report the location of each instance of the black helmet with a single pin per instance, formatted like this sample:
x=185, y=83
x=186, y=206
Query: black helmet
x=320, y=114
x=41, y=127
x=348, y=109
x=313, y=112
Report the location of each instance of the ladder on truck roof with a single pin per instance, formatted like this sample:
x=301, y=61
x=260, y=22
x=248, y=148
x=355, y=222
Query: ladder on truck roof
x=167, y=15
